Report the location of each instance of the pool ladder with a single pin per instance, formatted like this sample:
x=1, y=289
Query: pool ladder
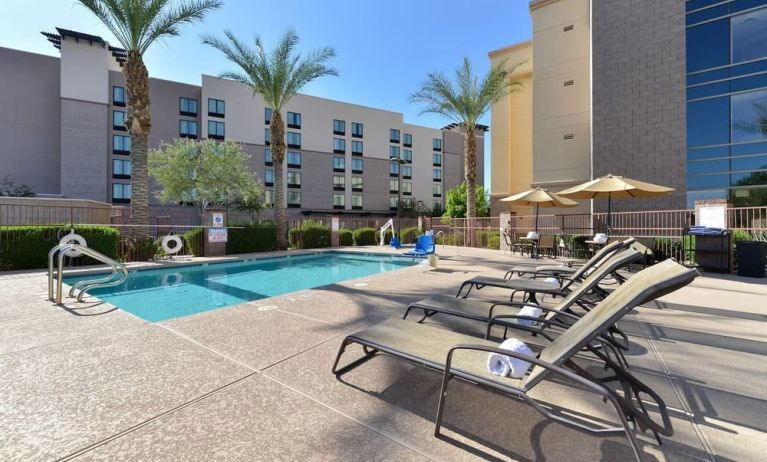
x=116, y=277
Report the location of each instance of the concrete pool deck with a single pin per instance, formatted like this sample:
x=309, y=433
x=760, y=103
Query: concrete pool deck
x=252, y=382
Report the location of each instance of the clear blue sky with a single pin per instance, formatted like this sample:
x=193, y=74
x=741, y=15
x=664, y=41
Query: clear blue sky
x=385, y=48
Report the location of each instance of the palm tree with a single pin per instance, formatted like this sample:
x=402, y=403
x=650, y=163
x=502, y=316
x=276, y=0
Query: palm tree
x=465, y=102
x=277, y=76
x=137, y=24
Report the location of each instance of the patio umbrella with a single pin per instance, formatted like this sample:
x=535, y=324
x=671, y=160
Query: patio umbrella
x=614, y=187
x=540, y=198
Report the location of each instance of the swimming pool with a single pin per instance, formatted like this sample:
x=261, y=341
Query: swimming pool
x=167, y=293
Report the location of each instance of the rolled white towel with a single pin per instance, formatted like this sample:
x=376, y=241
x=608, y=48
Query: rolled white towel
x=515, y=368
x=530, y=311
x=553, y=281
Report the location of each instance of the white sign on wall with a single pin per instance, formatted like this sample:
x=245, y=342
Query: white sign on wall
x=218, y=219
x=712, y=215
x=334, y=223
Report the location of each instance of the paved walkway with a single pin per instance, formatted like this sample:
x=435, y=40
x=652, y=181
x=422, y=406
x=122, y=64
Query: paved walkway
x=253, y=382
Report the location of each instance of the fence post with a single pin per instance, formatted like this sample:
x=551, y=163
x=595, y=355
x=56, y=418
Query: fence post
x=334, y=237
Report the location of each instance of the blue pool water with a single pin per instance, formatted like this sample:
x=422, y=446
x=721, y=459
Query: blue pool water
x=160, y=294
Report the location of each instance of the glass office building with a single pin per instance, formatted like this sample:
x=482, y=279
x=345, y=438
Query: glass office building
x=727, y=101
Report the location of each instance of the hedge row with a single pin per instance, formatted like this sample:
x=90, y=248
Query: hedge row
x=27, y=247
x=310, y=235
x=252, y=237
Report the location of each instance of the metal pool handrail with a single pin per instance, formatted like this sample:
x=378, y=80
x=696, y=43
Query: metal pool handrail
x=84, y=286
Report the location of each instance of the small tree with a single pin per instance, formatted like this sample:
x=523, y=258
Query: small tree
x=8, y=189
x=204, y=173
x=456, y=202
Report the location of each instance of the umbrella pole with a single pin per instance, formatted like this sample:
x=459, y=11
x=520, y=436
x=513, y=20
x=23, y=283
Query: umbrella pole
x=537, y=207
x=609, y=213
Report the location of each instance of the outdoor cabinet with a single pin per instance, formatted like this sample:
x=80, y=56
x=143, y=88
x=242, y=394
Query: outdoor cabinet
x=712, y=253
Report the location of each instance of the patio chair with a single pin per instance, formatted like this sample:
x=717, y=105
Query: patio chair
x=423, y=246
x=461, y=356
x=506, y=314
x=546, y=245
x=522, y=244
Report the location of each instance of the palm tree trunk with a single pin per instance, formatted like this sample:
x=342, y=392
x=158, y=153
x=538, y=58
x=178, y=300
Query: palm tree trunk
x=277, y=128
x=139, y=123
x=470, y=175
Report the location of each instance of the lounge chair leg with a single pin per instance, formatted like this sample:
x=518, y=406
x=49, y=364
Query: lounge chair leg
x=369, y=354
x=340, y=353
x=441, y=406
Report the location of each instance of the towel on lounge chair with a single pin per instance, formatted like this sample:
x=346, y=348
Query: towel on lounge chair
x=506, y=365
x=529, y=311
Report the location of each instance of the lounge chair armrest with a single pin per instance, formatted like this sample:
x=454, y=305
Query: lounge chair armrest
x=545, y=322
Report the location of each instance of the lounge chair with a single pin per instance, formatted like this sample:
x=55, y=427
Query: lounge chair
x=506, y=314
x=423, y=246
x=461, y=356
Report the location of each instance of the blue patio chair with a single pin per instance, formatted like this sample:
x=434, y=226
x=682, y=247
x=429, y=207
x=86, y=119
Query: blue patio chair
x=423, y=246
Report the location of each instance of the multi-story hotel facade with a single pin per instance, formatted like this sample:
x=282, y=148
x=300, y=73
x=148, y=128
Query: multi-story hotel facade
x=667, y=91
x=64, y=135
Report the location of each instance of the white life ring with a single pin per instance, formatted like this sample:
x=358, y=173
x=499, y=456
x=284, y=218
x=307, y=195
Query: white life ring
x=73, y=238
x=172, y=279
x=166, y=244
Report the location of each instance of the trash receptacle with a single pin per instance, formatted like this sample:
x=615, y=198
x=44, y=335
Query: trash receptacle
x=752, y=256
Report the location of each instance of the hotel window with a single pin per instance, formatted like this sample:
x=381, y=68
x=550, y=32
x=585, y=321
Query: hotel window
x=215, y=130
x=394, y=135
x=356, y=183
x=356, y=130
x=408, y=141
x=294, y=199
x=436, y=144
x=356, y=165
x=339, y=164
x=268, y=198
x=269, y=177
x=393, y=202
x=268, y=157
x=407, y=188
x=436, y=190
x=436, y=160
x=393, y=186
x=118, y=120
x=187, y=107
x=339, y=145
x=294, y=140
x=294, y=179
x=339, y=201
x=436, y=205
x=394, y=169
x=394, y=151
x=121, y=192
x=356, y=202
x=120, y=144
x=120, y=168
x=267, y=136
x=118, y=96
x=407, y=171
x=294, y=119
x=294, y=159
x=356, y=148
x=187, y=128
x=407, y=155
x=267, y=115
x=339, y=182
x=216, y=107
x=436, y=174
x=339, y=127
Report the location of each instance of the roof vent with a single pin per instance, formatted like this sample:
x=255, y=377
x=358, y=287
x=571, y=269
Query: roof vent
x=569, y=83
x=569, y=136
x=568, y=28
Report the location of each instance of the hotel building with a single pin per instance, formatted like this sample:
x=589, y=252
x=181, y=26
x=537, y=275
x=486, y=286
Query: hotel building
x=62, y=132
x=667, y=91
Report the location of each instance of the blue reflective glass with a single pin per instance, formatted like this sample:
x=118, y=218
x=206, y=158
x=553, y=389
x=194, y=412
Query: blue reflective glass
x=713, y=89
x=750, y=163
x=740, y=5
x=707, y=153
x=693, y=196
x=748, y=68
x=697, y=4
x=708, y=181
x=708, y=122
x=711, y=166
x=708, y=45
x=750, y=148
x=749, y=116
x=749, y=35
x=716, y=74
x=749, y=179
x=708, y=13
x=748, y=83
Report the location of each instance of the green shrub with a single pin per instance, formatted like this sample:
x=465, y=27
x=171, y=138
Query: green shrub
x=143, y=248
x=345, y=237
x=664, y=248
x=578, y=242
x=252, y=237
x=27, y=247
x=494, y=240
x=193, y=241
x=409, y=235
x=310, y=235
x=365, y=236
x=449, y=239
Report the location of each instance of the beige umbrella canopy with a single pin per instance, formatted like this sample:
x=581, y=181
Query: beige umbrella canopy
x=614, y=187
x=540, y=198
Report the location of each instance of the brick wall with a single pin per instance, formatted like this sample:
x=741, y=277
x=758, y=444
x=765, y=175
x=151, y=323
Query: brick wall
x=639, y=114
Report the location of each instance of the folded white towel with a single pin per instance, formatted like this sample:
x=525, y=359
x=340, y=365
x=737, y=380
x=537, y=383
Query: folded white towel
x=531, y=311
x=553, y=281
x=504, y=365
